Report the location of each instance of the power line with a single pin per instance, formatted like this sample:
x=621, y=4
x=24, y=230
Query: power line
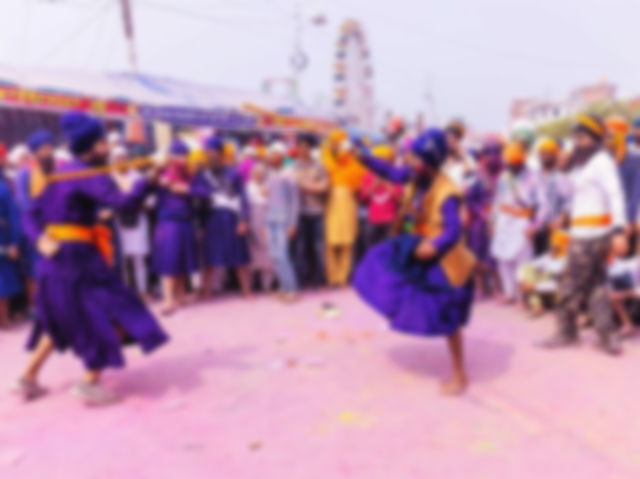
x=99, y=33
x=192, y=14
x=84, y=25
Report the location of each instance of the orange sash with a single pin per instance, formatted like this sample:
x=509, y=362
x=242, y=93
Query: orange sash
x=97, y=235
x=515, y=211
x=592, y=221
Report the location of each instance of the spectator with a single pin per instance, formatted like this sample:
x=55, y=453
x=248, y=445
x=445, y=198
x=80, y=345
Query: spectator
x=133, y=226
x=283, y=207
x=174, y=244
x=261, y=262
x=10, y=283
x=551, y=195
x=341, y=219
x=382, y=198
x=227, y=221
x=309, y=244
x=513, y=212
x=539, y=279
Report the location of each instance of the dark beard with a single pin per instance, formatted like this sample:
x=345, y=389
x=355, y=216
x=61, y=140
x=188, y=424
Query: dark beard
x=98, y=160
x=581, y=155
x=47, y=164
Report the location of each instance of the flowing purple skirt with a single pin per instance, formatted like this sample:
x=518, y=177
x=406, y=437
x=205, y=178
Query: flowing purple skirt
x=222, y=246
x=428, y=307
x=175, y=249
x=83, y=305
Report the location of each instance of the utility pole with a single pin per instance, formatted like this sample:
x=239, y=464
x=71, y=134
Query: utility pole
x=127, y=22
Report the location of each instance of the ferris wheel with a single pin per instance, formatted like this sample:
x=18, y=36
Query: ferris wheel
x=353, y=78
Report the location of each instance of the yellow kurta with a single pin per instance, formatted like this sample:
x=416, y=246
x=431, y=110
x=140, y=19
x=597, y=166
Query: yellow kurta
x=345, y=178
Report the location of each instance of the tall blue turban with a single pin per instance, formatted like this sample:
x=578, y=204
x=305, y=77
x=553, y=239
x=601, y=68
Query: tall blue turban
x=81, y=131
x=214, y=143
x=431, y=147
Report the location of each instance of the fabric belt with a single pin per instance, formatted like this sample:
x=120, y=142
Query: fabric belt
x=98, y=235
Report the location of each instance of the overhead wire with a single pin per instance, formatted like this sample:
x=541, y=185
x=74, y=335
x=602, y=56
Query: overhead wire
x=75, y=33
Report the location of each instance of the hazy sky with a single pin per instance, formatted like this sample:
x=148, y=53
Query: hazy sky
x=473, y=56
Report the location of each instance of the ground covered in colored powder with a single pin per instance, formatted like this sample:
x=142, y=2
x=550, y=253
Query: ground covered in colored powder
x=256, y=389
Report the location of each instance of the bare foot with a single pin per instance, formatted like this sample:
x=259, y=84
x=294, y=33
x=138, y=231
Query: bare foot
x=289, y=297
x=627, y=331
x=584, y=321
x=168, y=309
x=456, y=386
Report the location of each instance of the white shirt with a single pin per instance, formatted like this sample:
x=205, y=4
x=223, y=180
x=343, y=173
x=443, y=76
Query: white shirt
x=595, y=190
x=461, y=171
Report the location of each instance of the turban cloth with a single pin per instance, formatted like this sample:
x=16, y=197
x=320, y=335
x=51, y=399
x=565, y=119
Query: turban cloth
x=81, y=131
x=38, y=139
x=431, y=147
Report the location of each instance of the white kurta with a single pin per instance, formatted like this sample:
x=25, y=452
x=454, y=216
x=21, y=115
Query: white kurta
x=134, y=240
x=596, y=191
x=510, y=241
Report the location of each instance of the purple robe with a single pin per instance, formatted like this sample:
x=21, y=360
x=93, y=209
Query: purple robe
x=10, y=236
x=415, y=296
x=82, y=303
x=175, y=251
x=227, y=206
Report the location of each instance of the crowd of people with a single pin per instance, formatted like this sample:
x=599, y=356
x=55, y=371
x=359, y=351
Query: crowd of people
x=550, y=223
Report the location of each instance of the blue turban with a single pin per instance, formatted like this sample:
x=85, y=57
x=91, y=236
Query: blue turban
x=178, y=148
x=431, y=147
x=38, y=139
x=81, y=131
x=214, y=143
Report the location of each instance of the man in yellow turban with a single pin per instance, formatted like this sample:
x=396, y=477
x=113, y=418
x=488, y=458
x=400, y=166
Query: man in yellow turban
x=551, y=194
x=597, y=219
x=513, y=214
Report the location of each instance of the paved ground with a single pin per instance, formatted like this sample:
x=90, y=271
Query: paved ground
x=261, y=390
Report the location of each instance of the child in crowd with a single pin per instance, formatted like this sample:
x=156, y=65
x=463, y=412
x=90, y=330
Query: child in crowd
x=261, y=262
x=382, y=198
x=539, y=279
x=624, y=290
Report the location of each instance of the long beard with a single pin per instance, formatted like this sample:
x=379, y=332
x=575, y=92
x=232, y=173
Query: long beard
x=581, y=155
x=47, y=164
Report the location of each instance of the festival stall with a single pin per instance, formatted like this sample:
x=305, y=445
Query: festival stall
x=31, y=98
